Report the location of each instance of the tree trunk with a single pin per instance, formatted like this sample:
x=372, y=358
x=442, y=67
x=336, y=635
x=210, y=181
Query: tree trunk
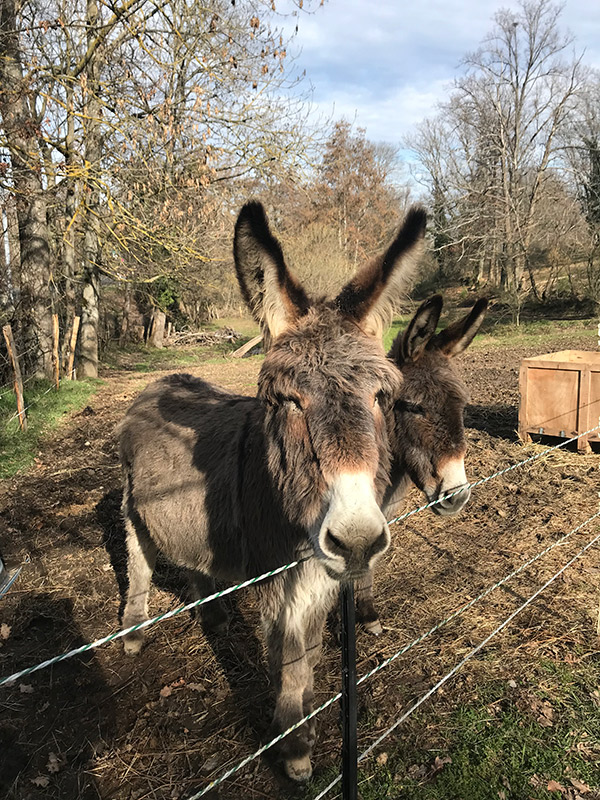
x=14, y=249
x=88, y=349
x=7, y=298
x=157, y=334
x=19, y=128
x=69, y=263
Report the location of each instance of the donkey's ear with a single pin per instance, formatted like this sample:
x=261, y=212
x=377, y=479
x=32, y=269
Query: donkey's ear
x=458, y=336
x=271, y=292
x=409, y=345
x=371, y=296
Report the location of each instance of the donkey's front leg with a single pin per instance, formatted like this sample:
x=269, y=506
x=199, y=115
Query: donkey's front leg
x=313, y=644
x=365, y=605
x=290, y=670
x=214, y=614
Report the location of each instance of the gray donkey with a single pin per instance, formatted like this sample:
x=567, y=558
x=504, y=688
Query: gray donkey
x=425, y=424
x=230, y=486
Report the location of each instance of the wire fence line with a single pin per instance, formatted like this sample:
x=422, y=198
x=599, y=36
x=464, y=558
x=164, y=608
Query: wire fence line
x=11, y=385
x=10, y=679
x=37, y=399
x=167, y=615
x=463, y=661
x=388, y=661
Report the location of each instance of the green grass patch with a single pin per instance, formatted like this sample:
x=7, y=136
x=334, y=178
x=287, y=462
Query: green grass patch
x=399, y=324
x=508, y=744
x=48, y=409
x=539, y=333
x=142, y=358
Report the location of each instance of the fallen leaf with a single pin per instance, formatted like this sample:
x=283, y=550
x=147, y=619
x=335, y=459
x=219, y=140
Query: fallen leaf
x=512, y=684
x=382, y=759
x=26, y=688
x=440, y=763
x=4, y=631
x=580, y=786
x=166, y=691
x=54, y=763
x=42, y=781
x=553, y=786
x=544, y=713
x=417, y=771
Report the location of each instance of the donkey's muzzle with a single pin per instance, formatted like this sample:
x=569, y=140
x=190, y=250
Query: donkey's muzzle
x=453, y=502
x=353, y=533
x=354, y=557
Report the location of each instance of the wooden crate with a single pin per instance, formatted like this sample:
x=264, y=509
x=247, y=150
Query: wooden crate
x=560, y=396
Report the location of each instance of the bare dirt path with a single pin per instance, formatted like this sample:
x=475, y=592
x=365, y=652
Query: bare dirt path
x=103, y=726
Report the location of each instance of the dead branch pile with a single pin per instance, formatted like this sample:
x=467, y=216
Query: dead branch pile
x=204, y=337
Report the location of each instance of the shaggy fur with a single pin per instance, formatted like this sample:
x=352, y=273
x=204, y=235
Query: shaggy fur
x=426, y=424
x=230, y=486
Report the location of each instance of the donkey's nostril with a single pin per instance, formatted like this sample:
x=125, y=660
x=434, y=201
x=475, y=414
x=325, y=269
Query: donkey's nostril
x=336, y=545
x=379, y=545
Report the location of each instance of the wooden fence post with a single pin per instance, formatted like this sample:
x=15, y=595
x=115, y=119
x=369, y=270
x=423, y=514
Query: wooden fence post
x=72, y=344
x=55, y=358
x=18, y=381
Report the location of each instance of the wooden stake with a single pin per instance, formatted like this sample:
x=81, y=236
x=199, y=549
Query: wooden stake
x=18, y=381
x=72, y=345
x=55, y=358
x=245, y=348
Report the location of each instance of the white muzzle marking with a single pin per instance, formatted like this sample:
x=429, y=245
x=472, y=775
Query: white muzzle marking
x=454, y=478
x=354, y=532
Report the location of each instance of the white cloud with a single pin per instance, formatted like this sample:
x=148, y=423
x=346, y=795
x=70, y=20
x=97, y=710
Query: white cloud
x=387, y=64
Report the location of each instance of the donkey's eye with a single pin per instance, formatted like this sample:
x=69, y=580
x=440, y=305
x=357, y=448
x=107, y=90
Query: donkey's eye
x=410, y=408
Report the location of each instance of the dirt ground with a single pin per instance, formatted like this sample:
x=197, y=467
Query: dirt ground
x=162, y=726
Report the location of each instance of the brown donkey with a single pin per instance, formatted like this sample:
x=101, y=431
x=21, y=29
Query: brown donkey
x=425, y=426
x=231, y=486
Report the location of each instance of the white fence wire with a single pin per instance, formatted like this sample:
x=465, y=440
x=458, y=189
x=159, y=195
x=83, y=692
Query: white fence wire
x=462, y=662
x=11, y=679
x=230, y=772
x=160, y=617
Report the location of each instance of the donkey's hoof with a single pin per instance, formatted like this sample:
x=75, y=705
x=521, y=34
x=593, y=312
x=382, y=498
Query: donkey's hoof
x=132, y=644
x=298, y=769
x=373, y=627
x=216, y=619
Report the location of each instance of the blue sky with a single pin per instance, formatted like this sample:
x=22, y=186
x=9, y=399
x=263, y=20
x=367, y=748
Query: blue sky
x=386, y=63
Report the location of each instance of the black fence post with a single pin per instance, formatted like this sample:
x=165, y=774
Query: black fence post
x=349, y=751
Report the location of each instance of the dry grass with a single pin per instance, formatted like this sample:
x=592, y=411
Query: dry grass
x=118, y=733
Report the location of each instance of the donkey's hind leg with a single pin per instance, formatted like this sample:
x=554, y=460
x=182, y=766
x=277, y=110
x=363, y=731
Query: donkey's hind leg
x=214, y=614
x=140, y=566
x=365, y=605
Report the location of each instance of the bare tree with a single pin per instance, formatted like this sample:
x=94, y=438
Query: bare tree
x=489, y=161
